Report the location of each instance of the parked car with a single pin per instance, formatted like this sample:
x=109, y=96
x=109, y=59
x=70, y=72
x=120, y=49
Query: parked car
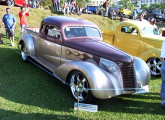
x=73, y=50
x=92, y=9
x=125, y=13
x=155, y=14
x=139, y=39
x=14, y=2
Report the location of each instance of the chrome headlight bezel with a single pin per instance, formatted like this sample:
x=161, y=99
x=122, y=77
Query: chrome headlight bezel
x=109, y=65
x=112, y=68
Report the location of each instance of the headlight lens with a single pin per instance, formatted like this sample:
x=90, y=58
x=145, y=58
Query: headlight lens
x=112, y=68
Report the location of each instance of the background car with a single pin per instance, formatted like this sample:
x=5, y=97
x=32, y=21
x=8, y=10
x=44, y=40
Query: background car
x=14, y=2
x=139, y=39
x=155, y=14
x=125, y=12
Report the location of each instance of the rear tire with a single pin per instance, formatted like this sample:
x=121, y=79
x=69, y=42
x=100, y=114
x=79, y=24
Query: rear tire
x=24, y=52
x=10, y=2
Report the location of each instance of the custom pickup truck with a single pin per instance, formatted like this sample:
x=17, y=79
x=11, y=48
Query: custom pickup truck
x=73, y=50
x=139, y=39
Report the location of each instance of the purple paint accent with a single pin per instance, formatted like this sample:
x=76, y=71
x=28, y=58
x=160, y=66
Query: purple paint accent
x=98, y=48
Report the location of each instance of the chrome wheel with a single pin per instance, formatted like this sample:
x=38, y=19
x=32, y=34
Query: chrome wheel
x=10, y=2
x=79, y=87
x=23, y=51
x=154, y=65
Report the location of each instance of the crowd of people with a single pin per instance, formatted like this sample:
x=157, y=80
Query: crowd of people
x=9, y=21
x=33, y=3
x=70, y=7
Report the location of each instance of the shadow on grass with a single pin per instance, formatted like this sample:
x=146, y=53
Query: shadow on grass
x=24, y=83
x=135, y=104
x=11, y=115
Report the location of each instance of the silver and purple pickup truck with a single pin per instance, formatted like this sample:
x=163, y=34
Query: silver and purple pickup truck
x=73, y=50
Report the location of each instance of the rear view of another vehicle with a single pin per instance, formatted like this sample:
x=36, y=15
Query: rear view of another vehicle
x=155, y=14
x=125, y=13
x=14, y=2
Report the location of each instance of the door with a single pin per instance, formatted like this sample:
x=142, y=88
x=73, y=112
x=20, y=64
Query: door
x=49, y=44
x=127, y=39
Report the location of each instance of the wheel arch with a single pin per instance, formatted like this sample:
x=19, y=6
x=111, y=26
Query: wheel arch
x=97, y=78
x=149, y=54
x=29, y=42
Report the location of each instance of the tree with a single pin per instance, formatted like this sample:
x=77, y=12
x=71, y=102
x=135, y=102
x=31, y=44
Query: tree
x=126, y=4
x=82, y=2
x=45, y=3
x=144, y=7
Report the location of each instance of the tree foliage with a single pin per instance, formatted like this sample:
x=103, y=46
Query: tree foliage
x=144, y=7
x=127, y=4
x=45, y=3
x=82, y=2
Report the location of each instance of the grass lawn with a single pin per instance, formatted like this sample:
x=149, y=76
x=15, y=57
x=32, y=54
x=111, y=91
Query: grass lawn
x=29, y=93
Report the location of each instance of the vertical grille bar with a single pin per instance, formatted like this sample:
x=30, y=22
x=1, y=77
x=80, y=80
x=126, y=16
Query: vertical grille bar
x=128, y=75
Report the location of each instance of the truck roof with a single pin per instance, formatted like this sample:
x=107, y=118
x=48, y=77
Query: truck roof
x=62, y=21
x=139, y=24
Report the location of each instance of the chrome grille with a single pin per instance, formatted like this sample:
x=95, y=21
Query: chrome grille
x=128, y=74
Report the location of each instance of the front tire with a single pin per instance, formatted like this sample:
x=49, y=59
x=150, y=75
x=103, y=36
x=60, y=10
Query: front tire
x=24, y=51
x=10, y=2
x=78, y=81
x=155, y=66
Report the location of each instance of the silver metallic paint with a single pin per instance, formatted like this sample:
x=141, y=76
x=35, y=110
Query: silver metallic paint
x=142, y=72
x=29, y=42
x=99, y=80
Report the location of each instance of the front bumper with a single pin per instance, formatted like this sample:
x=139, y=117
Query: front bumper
x=144, y=89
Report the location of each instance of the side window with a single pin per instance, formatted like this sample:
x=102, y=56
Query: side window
x=52, y=31
x=129, y=30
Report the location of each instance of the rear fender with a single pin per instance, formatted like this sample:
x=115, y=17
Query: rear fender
x=29, y=42
x=99, y=80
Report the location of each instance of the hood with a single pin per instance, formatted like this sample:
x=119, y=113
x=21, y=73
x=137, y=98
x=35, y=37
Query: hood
x=99, y=48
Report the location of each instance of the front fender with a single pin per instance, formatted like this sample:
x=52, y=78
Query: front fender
x=99, y=80
x=142, y=72
x=29, y=42
x=154, y=52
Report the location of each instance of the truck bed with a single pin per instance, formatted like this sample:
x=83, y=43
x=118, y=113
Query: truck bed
x=108, y=36
x=32, y=30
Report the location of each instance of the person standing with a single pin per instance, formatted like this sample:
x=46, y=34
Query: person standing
x=106, y=8
x=54, y=5
x=23, y=18
x=9, y=20
x=70, y=7
x=162, y=92
x=134, y=14
x=38, y=4
x=34, y=3
x=64, y=7
x=113, y=14
x=1, y=41
x=58, y=5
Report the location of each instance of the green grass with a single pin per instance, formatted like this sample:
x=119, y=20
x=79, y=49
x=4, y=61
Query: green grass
x=29, y=93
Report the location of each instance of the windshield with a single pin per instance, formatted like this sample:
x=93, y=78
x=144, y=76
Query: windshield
x=81, y=31
x=149, y=31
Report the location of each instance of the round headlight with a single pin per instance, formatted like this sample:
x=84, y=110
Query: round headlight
x=112, y=68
